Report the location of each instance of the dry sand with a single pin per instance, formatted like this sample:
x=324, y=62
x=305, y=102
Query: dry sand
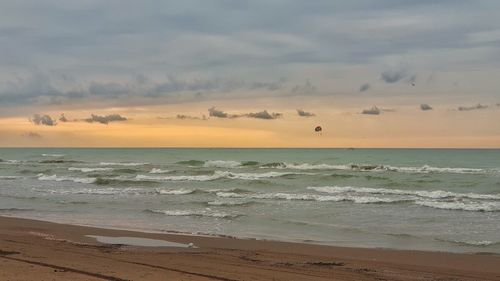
x=36, y=250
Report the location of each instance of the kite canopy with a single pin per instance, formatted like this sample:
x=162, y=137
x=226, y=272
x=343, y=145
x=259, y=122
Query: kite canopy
x=318, y=129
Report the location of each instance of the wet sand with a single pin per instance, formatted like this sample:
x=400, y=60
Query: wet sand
x=36, y=250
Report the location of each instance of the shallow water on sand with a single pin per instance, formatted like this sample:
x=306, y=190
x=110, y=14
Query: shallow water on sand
x=445, y=200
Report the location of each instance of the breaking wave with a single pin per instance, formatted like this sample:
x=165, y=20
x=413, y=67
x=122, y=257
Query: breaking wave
x=44, y=177
x=122, y=164
x=53, y=155
x=89, y=170
x=309, y=197
x=182, y=191
x=461, y=205
x=435, y=194
x=217, y=175
x=380, y=168
x=481, y=243
x=226, y=203
x=92, y=191
x=189, y=213
x=438, y=199
x=158, y=171
x=8, y=177
x=222, y=164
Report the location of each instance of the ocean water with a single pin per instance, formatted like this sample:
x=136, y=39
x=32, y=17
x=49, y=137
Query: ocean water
x=441, y=200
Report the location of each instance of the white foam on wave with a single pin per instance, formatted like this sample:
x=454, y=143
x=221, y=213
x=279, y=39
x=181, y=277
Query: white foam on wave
x=11, y=162
x=180, y=178
x=307, y=166
x=227, y=203
x=222, y=164
x=44, y=177
x=92, y=191
x=460, y=205
x=481, y=243
x=122, y=164
x=217, y=175
x=430, y=169
x=8, y=177
x=435, y=194
x=309, y=197
x=53, y=155
x=158, y=171
x=89, y=170
x=182, y=191
x=379, y=168
x=193, y=213
x=257, y=176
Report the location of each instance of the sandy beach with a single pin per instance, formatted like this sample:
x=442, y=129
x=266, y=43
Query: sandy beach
x=37, y=250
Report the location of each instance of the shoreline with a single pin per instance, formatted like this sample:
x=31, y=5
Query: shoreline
x=244, y=238
x=31, y=249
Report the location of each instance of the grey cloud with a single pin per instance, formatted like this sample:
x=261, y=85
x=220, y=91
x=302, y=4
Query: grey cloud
x=393, y=76
x=63, y=118
x=111, y=39
x=364, y=87
x=303, y=113
x=264, y=115
x=475, y=107
x=111, y=89
x=425, y=107
x=371, y=111
x=43, y=119
x=188, y=117
x=213, y=112
x=33, y=135
x=306, y=89
x=39, y=88
x=105, y=119
x=412, y=79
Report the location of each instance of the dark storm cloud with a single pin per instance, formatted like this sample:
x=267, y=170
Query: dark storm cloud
x=105, y=119
x=469, y=108
x=303, y=113
x=371, y=111
x=43, y=119
x=425, y=107
x=364, y=87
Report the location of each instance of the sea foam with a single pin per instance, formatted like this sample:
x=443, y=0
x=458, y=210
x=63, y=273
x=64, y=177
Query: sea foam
x=194, y=213
x=89, y=170
x=44, y=177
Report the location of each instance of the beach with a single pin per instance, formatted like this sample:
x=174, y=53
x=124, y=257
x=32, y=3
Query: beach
x=37, y=250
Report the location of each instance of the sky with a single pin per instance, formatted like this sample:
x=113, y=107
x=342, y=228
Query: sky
x=387, y=73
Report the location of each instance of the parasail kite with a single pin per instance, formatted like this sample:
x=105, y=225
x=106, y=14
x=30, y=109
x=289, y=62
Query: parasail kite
x=318, y=129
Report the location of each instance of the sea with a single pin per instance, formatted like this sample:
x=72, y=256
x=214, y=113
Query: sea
x=421, y=199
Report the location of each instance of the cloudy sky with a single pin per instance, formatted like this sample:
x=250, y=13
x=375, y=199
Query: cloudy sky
x=388, y=73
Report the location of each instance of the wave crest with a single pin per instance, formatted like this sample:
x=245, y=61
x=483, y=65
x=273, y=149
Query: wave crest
x=191, y=213
x=54, y=177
